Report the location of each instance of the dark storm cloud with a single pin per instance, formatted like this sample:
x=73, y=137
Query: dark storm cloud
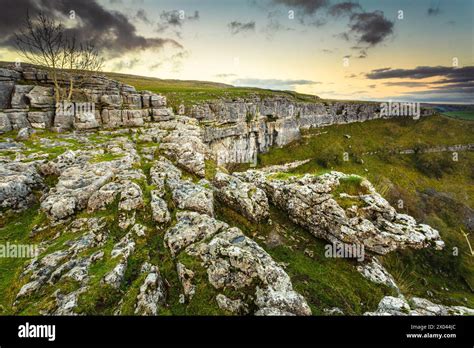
x=370, y=27
x=108, y=29
x=141, y=15
x=343, y=8
x=169, y=19
x=309, y=7
x=174, y=19
x=406, y=84
x=455, y=84
x=238, y=27
x=450, y=74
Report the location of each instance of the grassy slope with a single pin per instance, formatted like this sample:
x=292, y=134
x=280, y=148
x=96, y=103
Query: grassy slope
x=191, y=92
x=463, y=115
x=442, y=202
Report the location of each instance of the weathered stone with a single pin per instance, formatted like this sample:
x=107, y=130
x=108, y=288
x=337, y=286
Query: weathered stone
x=6, y=91
x=87, y=120
x=76, y=185
x=233, y=306
x=159, y=208
x=40, y=119
x=190, y=228
x=152, y=293
x=416, y=306
x=111, y=118
x=17, y=184
x=132, y=118
x=114, y=277
x=309, y=202
x=18, y=120
x=24, y=134
x=376, y=273
x=9, y=75
x=41, y=97
x=161, y=114
x=19, y=99
x=157, y=101
x=244, y=197
x=5, y=125
x=131, y=197
x=233, y=260
x=111, y=100
x=186, y=276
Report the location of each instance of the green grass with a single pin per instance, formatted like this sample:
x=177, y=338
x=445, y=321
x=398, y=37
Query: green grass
x=15, y=229
x=210, y=169
x=376, y=135
x=463, y=115
x=443, y=200
x=106, y=157
x=34, y=146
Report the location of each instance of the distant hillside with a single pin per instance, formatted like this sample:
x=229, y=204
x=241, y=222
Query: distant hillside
x=189, y=91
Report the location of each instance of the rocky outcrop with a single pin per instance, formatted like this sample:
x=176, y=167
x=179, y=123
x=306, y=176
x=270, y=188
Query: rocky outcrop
x=152, y=292
x=18, y=182
x=237, y=130
x=233, y=260
x=27, y=100
x=243, y=197
x=368, y=219
x=416, y=306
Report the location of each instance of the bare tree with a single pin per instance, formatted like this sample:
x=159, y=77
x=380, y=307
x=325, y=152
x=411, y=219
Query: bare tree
x=82, y=60
x=44, y=42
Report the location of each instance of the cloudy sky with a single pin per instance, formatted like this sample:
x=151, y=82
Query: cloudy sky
x=361, y=49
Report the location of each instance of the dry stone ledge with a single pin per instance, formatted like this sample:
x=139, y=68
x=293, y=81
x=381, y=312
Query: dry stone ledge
x=117, y=104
